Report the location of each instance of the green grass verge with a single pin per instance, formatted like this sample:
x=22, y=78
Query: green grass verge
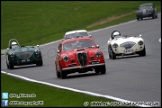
x=50, y=95
x=38, y=22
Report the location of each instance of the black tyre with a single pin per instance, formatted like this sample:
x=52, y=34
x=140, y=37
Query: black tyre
x=112, y=55
x=62, y=74
x=109, y=51
x=137, y=19
x=11, y=66
x=97, y=70
x=156, y=16
x=57, y=72
x=101, y=69
x=39, y=63
x=143, y=52
x=7, y=65
x=153, y=16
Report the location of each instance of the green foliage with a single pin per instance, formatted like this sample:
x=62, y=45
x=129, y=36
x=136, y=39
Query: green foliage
x=38, y=22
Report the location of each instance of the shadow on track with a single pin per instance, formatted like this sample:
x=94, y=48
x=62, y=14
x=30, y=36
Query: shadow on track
x=146, y=19
x=25, y=66
x=82, y=75
x=127, y=57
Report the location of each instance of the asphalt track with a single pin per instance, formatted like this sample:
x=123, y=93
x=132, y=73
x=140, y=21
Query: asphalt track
x=132, y=78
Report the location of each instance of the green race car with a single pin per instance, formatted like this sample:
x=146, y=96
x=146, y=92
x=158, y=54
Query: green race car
x=17, y=55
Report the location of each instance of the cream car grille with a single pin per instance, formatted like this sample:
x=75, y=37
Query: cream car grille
x=127, y=45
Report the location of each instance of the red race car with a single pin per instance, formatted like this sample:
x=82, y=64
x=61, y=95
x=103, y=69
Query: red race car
x=79, y=55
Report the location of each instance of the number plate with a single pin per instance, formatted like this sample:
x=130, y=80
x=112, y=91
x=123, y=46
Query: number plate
x=129, y=51
x=25, y=60
x=28, y=60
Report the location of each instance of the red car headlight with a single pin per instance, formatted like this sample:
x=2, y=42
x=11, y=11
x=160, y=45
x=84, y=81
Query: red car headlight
x=98, y=54
x=65, y=58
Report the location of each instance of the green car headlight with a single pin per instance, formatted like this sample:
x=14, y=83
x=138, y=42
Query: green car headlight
x=37, y=51
x=12, y=54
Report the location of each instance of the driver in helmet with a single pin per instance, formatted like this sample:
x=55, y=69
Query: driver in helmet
x=78, y=44
x=115, y=33
x=14, y=45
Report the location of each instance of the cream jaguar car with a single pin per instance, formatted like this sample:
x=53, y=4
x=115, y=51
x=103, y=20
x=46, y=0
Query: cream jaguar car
x=119, y=45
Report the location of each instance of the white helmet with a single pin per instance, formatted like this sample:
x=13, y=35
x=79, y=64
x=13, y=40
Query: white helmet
x=13, y=43
x=116, y=33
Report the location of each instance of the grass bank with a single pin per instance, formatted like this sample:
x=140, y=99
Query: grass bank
x=38, y=22
x=51, y=96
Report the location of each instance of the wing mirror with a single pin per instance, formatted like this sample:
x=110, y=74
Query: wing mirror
x=7, y=48
x=58, y=51
x=98, y=46
x=37, y=45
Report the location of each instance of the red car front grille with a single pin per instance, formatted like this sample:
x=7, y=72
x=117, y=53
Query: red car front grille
x=82, y=58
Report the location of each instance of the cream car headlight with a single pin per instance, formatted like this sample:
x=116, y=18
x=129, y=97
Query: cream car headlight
x=65, y=58
x=140, y=42
x=115, y=45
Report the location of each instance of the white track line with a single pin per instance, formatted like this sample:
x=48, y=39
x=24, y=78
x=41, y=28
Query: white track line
x=72, y=89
